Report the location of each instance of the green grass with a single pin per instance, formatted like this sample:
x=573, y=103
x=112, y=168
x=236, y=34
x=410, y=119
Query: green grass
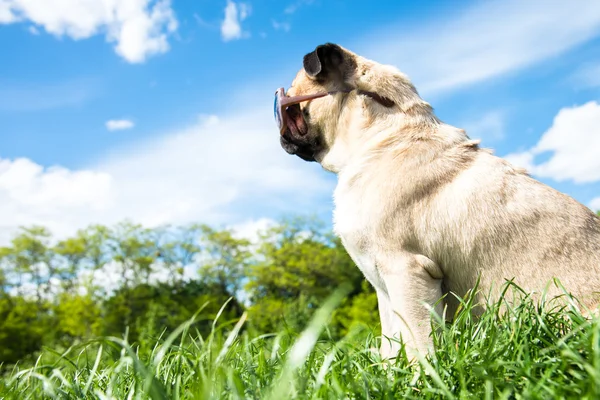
x=528, y=352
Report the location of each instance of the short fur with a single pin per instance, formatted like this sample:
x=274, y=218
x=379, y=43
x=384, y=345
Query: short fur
x=422, y=209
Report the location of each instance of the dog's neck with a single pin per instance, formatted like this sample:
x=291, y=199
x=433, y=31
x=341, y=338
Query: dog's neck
x=364, y=137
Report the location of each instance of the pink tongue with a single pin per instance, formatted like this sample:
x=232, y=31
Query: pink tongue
x=296, y=121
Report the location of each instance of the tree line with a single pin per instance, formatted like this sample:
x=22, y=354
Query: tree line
x=142, y=282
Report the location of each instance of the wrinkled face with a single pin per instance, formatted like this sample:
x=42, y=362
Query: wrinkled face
x=311, y=125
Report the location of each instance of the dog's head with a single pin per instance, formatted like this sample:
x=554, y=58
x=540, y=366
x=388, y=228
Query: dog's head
x=365, y=94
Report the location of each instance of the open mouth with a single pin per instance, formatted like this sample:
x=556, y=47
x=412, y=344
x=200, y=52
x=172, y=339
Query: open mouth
x=295, y=121
x=295, y=139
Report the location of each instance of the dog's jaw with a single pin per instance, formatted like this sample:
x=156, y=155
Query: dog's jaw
x=292, y=147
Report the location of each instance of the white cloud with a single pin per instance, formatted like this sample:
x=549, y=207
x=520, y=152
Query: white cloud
x=292, y=8
x=139, y=28
x=587, y=76
x=217, y=171
x=284, y=26
x=119, y=124
x=573, y=141
x=595, y=204
x=251, y=229
x=6, y=15
x=523, y=159
x=231, y=27
x=56, y=197
x=489, y=127
x=201, y=22
x=484, y=41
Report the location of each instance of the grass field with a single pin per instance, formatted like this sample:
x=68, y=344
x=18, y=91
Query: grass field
x=525, y=353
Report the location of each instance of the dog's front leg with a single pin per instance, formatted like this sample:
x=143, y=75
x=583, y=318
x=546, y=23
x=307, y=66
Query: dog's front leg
x=413, y=287
x=389, y=346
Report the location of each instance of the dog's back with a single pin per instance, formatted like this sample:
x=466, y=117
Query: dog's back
x=507, y=225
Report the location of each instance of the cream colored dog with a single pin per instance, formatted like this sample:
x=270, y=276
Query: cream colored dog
x=421, y=208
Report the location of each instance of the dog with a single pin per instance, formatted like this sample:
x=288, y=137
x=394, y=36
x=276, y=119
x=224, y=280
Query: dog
x=424, y=211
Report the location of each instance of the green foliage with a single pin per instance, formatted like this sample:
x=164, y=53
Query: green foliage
x=359, y=311
x=225, y=259
x=146, y=310
x=299, y=265
x=24, y=327
x=77, y=317
x=54, y=295
x=528, y=352
x=71, y=253
x=29, y=257
x=134, y=249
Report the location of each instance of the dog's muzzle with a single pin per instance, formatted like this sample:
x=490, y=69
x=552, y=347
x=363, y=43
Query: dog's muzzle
x=295, y=139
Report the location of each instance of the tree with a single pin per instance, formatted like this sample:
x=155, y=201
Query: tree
x=224, y=260
x=134, y=250
x=147, y=310
x=5, y=269
x=177, y=249
x=30, y=259
x=77, y=317
x=72, y=253
x=23, y=329
x=300, y=266
x=96, y=242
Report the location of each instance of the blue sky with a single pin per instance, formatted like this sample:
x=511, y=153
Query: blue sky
x=161, y=111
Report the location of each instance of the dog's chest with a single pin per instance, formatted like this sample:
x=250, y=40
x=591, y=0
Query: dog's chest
x=354, y=224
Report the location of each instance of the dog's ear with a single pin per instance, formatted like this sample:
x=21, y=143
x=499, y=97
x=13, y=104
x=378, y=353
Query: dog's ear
x=327, y=62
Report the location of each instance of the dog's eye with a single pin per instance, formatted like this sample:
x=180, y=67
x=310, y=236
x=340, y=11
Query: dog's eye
x=305, y=112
